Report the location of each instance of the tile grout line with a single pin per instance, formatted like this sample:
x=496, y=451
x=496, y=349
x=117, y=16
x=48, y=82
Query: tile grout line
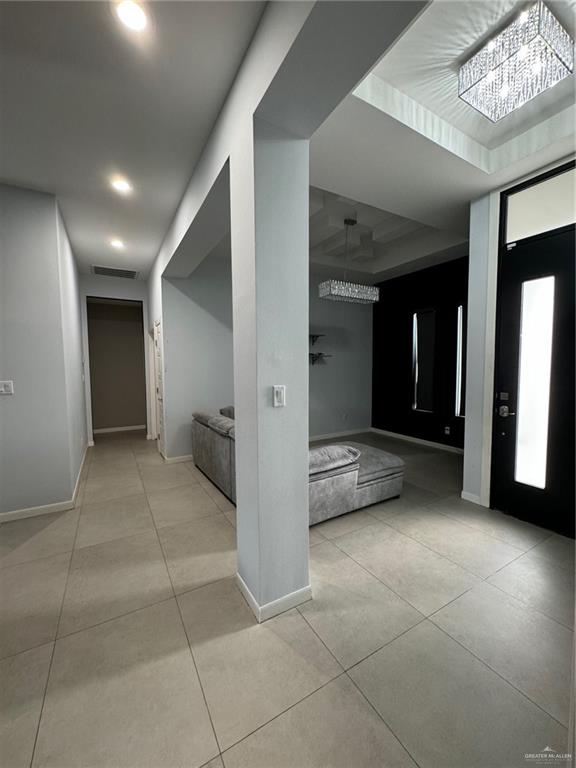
x=80, y=501
x=381, y=580
x=44, y=557
x=183, y=625
x=480, y=530
x=494, y=671
x=361, y=692
x=389, y=642
x=284, y=711
x=480, y=578
x=449, y=559
x=519, y=556
x=426, y=546
x=531, y=608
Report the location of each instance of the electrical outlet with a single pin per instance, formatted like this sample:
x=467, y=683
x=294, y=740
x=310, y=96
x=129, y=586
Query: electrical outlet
x=6, y=387
x=446, y=430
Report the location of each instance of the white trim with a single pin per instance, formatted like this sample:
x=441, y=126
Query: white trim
x=77, y=485
x=402, y=108
x=490, y=348
x=471, y=497
x=108, y=288
x=151, y=437
x=418, y=440
x=46, y=509
x=90, y=443
x=118, y=429
x=340, y=434
x=282, y=604
x=177, y=459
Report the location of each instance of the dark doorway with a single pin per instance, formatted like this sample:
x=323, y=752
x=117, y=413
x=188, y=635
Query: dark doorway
x=533, y=432
x=117, y=368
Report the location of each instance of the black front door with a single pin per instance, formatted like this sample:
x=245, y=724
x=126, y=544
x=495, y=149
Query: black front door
x=533, y=430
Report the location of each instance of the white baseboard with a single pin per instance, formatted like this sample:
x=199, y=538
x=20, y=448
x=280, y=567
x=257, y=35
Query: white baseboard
x=119, y=429
x=176, y=459
x=90, y=443
x=347, y=433
x=47, y=509
x=473, y=497
x=418, y=440
x=267, y=611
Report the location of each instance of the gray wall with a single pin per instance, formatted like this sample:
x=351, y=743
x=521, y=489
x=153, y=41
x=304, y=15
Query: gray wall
x=41, y=434
x=341, y=387
x=198, y=356
x=117, y=370
x=73, y=357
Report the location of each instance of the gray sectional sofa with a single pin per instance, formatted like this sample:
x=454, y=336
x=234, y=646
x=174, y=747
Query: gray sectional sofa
x=343, y=477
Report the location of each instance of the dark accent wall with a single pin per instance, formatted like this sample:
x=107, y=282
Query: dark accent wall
x=442, y=289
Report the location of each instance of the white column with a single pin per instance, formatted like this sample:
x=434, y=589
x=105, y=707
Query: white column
x=269, y=180
x=480, y=352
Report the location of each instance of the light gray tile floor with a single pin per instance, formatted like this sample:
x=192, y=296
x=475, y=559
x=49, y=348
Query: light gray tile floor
x=439, y=634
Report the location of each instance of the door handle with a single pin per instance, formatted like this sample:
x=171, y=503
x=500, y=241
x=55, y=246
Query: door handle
x=505, y=412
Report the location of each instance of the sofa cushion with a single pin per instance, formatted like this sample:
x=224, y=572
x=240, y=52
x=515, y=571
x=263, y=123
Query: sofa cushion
x=221, y=424
x=228, y=411
x=376, y=464
x=329, y=457
x=203, y=417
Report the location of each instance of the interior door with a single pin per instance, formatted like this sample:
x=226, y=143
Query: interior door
x=159, y=375
x=533, y=431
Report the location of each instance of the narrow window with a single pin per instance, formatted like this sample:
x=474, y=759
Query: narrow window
x=423, y=333
x=459, y=402
x=536, y=325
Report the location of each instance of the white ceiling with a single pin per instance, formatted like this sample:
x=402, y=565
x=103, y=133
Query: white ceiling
x=379, y=241
x=81, y=98
x=388, y=150
x=424, y=63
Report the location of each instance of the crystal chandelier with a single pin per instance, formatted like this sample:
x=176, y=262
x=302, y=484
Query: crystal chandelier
x=341, y=290
x=532, y=54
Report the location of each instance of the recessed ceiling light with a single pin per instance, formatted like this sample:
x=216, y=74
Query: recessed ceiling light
x=132, y=15
x=117, y=243
x=121, y=185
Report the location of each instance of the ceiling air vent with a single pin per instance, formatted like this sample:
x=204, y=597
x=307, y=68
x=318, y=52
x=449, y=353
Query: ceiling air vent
x=111, y=272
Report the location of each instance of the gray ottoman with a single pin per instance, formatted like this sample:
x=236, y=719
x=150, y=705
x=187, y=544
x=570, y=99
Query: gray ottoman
x=355, y=476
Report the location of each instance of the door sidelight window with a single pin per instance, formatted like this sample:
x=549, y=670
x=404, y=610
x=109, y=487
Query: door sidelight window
x=537, y=314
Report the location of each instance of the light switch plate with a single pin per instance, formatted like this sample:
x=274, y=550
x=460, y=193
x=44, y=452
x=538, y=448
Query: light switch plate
x=279, y=395
x=6, y=387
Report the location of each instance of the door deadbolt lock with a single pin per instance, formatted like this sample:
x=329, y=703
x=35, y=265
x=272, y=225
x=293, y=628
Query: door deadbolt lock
x=505, y=412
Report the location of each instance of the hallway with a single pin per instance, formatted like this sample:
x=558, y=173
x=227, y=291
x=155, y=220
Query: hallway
x=438, y=635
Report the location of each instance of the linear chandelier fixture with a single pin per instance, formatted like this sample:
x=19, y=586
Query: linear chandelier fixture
x=341, y=290
x=530, y=55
